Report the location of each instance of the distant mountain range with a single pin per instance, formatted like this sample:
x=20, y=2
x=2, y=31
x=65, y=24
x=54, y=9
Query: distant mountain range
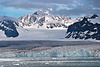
x=77, y=28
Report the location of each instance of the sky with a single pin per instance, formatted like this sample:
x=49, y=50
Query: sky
x=73, y=8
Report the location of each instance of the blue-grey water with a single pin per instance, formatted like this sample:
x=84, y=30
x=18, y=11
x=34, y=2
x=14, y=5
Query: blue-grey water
x=52, y=62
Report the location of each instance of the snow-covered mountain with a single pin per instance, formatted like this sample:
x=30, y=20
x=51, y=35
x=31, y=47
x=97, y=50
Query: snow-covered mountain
x=88, y=28
x=43, y=19
x=36, y=25
x=8, y=26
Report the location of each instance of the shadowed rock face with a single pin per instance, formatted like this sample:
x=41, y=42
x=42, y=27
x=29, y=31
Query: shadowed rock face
x=94, y=16
x=84, y=30
x=9, y=28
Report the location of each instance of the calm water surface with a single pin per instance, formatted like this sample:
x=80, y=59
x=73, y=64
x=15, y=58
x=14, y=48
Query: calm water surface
x=52, y=62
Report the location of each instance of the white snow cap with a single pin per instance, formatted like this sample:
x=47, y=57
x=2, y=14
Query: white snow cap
x=50, y=9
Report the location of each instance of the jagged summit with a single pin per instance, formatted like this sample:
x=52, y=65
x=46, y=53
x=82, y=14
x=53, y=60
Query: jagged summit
x=43, y=19
x=43, y=12
x=92, y=16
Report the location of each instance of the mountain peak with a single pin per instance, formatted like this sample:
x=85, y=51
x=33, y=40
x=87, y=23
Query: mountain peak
x=92, y=16
x=43, y=19
x=42, y=12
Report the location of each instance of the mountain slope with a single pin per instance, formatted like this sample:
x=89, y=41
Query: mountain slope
x=8, y=26
x=12, y=29
x=85, y=29
x=36, y=25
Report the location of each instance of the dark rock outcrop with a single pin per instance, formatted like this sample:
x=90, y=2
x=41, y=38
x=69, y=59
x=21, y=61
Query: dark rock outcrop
x=9, y=28
x=84, y=30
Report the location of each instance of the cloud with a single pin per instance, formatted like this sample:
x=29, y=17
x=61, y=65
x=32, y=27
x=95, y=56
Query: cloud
x=60, y=7
x=82, y=7
x=36, y=3
x=95, y=3
x=53, y=1
x=22, y=4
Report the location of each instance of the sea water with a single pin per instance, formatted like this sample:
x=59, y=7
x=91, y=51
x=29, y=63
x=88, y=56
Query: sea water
x=51, y=62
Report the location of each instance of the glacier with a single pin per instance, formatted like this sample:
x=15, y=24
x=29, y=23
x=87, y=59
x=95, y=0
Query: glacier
x=52, y=53
x=48, y=48
x=77, y=53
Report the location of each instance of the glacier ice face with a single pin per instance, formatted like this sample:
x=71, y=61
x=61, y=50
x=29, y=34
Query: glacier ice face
x=77, y=53
x=50, y=49
x=99, y=54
